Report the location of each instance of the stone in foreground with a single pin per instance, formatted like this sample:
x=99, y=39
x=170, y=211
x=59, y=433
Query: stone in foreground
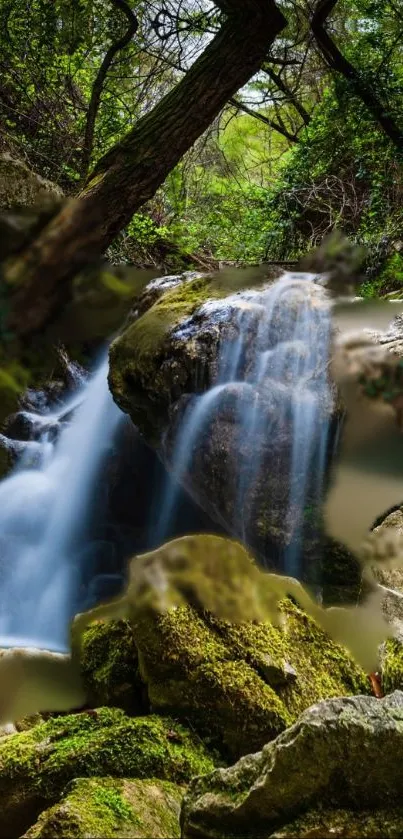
x=342, y=753
x=104, y=808
x=36, y=765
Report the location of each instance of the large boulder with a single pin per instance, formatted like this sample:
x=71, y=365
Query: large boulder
x=212, y=647
x=182, y=334
x=36, y=765
x=104, y=808
x=342, y=753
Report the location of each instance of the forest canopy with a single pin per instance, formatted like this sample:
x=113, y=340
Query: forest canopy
x=258, y=127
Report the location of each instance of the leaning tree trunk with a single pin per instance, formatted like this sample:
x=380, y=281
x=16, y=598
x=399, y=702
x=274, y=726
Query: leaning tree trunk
x=39, y=281
x=338, y=62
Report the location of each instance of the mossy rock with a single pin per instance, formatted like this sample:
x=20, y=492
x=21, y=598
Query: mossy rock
x=392, y=665
x=143, y=367
x=340, y=754
x=241, y=684
x=168, y=347
x=242, y=676
x=36, y=765
x=108, y=807
x=344, y=824
x=109, y=670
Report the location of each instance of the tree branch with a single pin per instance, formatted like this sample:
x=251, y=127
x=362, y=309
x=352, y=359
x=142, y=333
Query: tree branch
x=271, y=123
x=337, y=61
x=39, y=280
x=98, y=85
x=289, y=94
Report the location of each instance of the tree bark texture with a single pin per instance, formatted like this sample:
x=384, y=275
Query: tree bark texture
x=129, y=174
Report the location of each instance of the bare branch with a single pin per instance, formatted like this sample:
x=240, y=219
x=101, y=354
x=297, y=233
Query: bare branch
x=292, y=138
x=98, y=85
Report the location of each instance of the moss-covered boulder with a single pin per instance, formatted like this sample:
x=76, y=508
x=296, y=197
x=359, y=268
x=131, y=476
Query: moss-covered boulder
x=240, y=684
x=36, y=765
x=218, y=643
x=153, y=363
x=340, y=754
x=109, y=667
x=104, y=808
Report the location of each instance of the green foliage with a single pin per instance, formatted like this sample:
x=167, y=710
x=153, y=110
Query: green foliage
x=243, y=191
x=344, y=174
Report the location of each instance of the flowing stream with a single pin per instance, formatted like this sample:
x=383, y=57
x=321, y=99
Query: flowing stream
x=43, y=514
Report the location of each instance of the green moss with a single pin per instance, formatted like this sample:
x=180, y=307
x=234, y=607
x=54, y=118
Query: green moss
x=322, y=668
x=109, y=666
x=137, y=356
x=392, y=665
x=107, y=807
x=231, y=680
x=388, y=282
x=13, y=381
x=142, y=340
x=36, y=765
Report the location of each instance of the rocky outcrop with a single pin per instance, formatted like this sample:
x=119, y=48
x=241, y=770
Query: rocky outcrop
x=36, y=765
x=239, y=683
x=182, y=333
x=341, y=753
x=20, y=186
x=104, y=808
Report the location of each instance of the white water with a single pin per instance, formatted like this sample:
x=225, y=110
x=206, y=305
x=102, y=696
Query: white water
x=290, y=353
x=43, y=513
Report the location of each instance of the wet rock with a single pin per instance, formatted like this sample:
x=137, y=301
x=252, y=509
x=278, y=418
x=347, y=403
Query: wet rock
x=31, y=451
x=99, y=557
x=171, y=353
x=341, y=753
x=180, y=333
x=103, y=808
x=36, y=765
x=104, y=586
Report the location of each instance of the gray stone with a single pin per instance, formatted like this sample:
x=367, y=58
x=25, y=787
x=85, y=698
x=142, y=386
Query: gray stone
x=20, y=186
x=341, y=753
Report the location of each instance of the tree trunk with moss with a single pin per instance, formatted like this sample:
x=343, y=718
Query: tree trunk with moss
x=39, y=281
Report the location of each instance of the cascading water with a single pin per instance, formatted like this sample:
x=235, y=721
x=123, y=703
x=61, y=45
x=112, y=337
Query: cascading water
x=43, y=514
x=272, y=369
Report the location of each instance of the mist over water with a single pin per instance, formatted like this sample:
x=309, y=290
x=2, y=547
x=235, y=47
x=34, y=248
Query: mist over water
x=43, y=514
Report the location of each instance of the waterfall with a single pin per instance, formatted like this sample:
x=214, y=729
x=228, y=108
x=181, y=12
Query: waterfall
x=273, y=365
x=44, y=509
